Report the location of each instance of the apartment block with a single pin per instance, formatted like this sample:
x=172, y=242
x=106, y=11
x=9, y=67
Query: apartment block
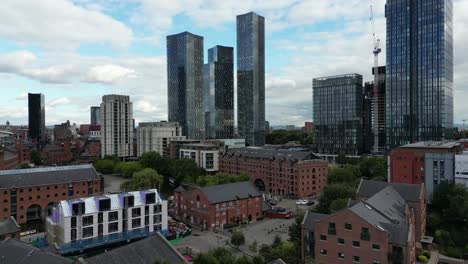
x=157, y=136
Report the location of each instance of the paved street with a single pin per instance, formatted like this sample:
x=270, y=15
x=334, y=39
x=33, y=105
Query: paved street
x=112, y=183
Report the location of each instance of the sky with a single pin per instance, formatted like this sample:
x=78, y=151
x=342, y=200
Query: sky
x=76, y=51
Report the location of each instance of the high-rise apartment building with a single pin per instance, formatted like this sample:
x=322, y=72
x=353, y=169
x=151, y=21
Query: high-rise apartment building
x=156, y=136
x=36, y=117
x=116, y=125
x=339, y=114
x=251, y=78
x=185, y=83
x=95, y=115
x=369, y=109
x=419, y=71
x=218, y=77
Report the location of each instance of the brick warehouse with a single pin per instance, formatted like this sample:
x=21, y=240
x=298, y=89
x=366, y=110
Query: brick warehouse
x=277, y=171
x=27, y=194
x=220, y=205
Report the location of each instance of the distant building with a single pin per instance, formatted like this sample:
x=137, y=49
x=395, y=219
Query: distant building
x=62, y=132
x=369, y=109
x=214, y=207
x=206, y=155
x=419, y=72
x=116, y=126
x=57, y=154
x=280, y=172
x=29, y=194
x=156, y=136
x=36, y=117
x=9, y=229
x=379, y=229
x=308, y=127
x=82, y=224
x=290, y=127
x=251, y=78
x=339, y=115
x=429, y=162
x=9, y=158
x=185, y=83
x=218, y=78
x=267, y=127
x=461, y=169
x=95, y=115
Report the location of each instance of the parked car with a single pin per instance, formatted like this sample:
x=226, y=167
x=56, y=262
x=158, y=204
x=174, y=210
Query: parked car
x=272, y=202
x=301, y=202
x=311, y=203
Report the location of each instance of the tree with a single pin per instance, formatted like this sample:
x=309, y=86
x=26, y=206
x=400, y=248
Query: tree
x=144, y=179
x=341, y=159
x=205, y=258
x=36, y=157
x=295, y=230
x=209, y=180
x=277, y=241
x=334, y=192
x=127, y=169
x=154, y=160
x=253, y=247
x=105, y=166
x=237, y=238
x=185, y=170
x=338, y=204
x=341, y=175
x=373, y=167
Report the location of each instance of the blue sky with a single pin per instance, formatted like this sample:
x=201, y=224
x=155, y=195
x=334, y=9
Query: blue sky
x=75, y=51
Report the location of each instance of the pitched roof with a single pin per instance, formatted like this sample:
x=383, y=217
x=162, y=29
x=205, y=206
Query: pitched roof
x=230, y=192
x=14, y=251
x=45, y=176
x=311, y=218
x=269, y=153
x=409, y=192
x=179, y=189
x=8, y=226
x=389, y=203
x=147, y=250
x=278, y=261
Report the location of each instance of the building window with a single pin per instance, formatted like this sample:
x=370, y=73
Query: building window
x=348, y=226
x=147, y=210
x=323, y=252
x=87, y=220
x=136, y=222
x=73, y=234
x=356, y=259
x=87, y=232
x=100, y=229
x=100, y=218
x=157, y=208
x=356, y=244
x=340, y=241
x=157, y=227
x=375, y=247
x=331, y=228
x=113, y=216
x=323, y=237
x=157, y=219
x=365, y=234
x=341, y=255
x=136, y=212
x=113, y=227
x=73, y=221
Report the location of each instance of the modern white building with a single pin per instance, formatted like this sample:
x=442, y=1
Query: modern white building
x=85, y=223
x=461, y=169
x=156, y=136
x=116, y=125
x=205, y=155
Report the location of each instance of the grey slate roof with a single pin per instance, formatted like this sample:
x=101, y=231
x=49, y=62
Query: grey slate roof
x=46, y=176
x=398, y=233
x=8, y=226
x=311, y=218
x=179, y=189
x=147, y=250
x=389, y=203
x=14, y=251
x=268, y=153
x=278, y=261
x=409, y=192
x=230, y=192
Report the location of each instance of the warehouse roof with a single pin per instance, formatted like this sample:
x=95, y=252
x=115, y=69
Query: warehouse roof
x=14, y=251
x=269, y=153
x=230, y=192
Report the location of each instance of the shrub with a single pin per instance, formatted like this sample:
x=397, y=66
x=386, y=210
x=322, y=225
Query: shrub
x=454, y=252
x=422, y=258
x=237, y=238
x=426, y=253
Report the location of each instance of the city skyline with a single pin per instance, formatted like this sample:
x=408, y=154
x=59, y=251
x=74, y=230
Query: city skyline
x=129, y=58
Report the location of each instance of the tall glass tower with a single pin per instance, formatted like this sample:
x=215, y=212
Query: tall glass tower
x=185, y=83
x=36, y=117
x=251, y=78
x=419, y=73
x=218, y=77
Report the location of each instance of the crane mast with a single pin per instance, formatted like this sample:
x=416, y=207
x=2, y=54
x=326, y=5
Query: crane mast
x=375, y=94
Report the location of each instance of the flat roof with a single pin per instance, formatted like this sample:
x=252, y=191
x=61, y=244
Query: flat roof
x=433, y=145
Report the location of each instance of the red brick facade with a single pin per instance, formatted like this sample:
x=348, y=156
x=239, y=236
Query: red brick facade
x=59, y=155
x=280, y=177
x=406, y=167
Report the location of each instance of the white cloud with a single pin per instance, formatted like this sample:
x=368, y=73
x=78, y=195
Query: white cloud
x=108, y=73
x=58, y=101
x=145, y=106
x=22, y=96
x=14, y=61
x=59, y=23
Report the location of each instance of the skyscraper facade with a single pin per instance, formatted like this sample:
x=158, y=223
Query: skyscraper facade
x=218, y=78
x=419, y=72
x=36, y=117
x=185, y=83
x=339, y=114
x=116, y=126
x=95, y=115
x=251, y=78
x=369, y=109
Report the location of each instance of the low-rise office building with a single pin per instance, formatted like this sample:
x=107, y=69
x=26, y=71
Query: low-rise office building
x=156, y=136
x=206, y=155
x=377, y=230
x=217, y=206
x=282, y=172
x=81, y=224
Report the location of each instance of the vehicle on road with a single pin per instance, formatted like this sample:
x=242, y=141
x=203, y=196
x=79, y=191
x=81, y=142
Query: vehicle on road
x=309, y=203
x=302, y=202
x=272, y=202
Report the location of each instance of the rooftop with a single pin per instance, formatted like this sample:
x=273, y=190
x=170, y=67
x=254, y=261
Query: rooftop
x=230, y=192
x=47, y=176
x=14, y=251
x=409, y=192
x=433, y=145
x=271, y=153
x=311, y=218
x=8, y=226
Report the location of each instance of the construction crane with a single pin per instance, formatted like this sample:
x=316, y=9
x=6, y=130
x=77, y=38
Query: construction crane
x=376, y=51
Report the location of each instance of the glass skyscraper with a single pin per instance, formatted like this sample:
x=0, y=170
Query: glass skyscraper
x=218, y=77
x=251, y=78
x=36, y=117
x=419, y=72
x=338, y=104
x=185, y=83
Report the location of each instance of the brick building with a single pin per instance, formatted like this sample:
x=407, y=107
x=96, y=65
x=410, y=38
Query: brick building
x=377, y=230
x=57, y=155
x=278, y=171
x=8, y=158
x=430, y=162
x=27, y=194
x=220, y=205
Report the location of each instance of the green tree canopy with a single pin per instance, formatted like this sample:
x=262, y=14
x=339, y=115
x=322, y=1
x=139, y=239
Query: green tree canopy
x=36, y=157
x=237, y=238
x=127, y=169
x=105, y=166
x=185, y=170
x=334, y=192
x=144, y=179
x=209, y=180
x=155, y=161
